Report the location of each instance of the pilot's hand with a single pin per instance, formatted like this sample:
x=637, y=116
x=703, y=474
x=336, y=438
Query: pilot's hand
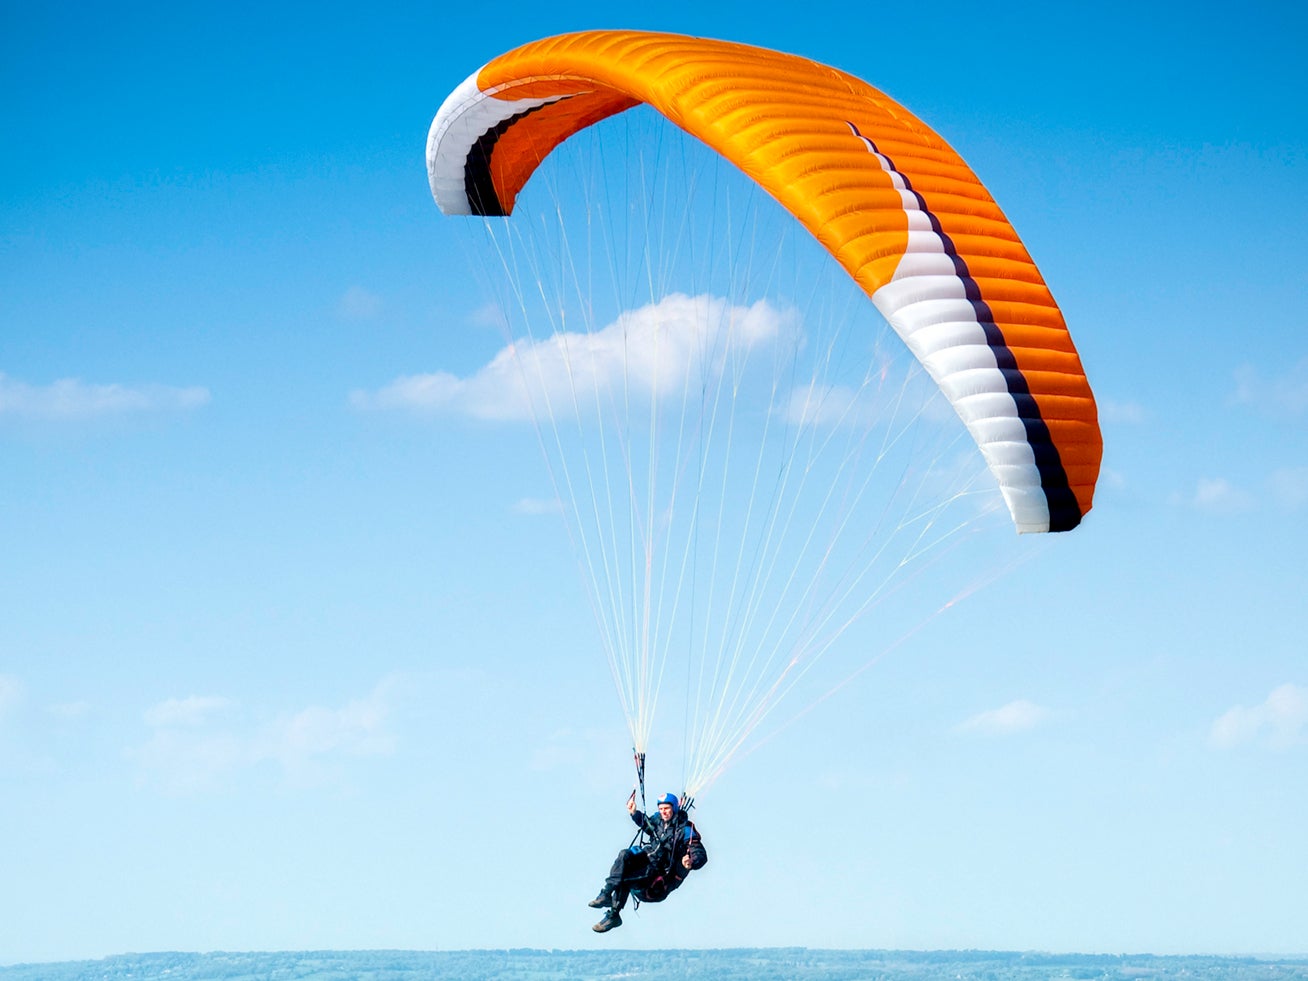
x=685, y=860
x=631, y=805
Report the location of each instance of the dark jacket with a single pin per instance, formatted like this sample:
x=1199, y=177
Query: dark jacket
x=667, y=842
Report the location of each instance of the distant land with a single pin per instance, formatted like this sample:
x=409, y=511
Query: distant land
x=764, y=964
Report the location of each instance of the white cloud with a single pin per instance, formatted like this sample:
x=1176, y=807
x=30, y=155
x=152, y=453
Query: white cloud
x=70, y=710
x=359, y=304
x=1016, y=716
x=840, y=405
x=821, y=405
x=1286, y=488
x=1280, y=722
x=538, y=505
x=72, y=399
x=356, y=729
x=194, y=710
x=199, y=742
x=647, y=351
x=1285, y=396
x=1218, y=495
x=184, y=760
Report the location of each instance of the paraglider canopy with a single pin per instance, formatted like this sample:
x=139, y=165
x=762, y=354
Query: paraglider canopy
x=731, y=524
x=892, y=202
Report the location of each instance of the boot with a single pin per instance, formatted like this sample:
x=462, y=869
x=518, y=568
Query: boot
x=611, y=920
x=603, y=900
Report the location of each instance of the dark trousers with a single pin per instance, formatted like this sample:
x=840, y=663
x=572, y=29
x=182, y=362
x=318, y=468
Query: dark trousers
x=630, y=869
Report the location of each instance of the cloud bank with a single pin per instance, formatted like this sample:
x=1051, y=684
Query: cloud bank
x=1285, y=396
x=1285, y=488
x=1016, y=716
x=538, y=505
x=198, y=743
x=185, y=712
x=650, y=351
x=1217, y=495
x=1279, y=722
x=71, y=399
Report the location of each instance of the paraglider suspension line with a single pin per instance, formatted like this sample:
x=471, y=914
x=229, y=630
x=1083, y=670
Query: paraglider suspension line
x=640, y=777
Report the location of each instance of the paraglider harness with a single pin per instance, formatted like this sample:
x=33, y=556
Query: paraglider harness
x=657, y=882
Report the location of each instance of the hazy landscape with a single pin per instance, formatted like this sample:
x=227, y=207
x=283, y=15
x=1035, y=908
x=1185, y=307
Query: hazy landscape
x=769, y=964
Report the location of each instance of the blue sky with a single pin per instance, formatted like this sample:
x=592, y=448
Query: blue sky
x=276, y=672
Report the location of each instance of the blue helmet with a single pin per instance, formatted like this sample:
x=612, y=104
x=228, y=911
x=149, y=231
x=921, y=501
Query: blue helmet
x=671, y=799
